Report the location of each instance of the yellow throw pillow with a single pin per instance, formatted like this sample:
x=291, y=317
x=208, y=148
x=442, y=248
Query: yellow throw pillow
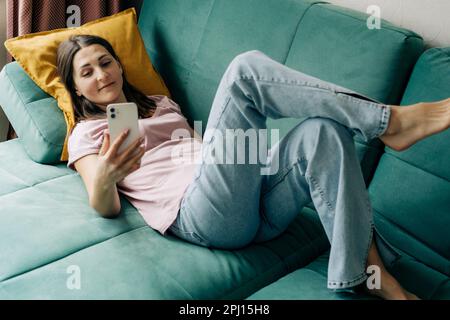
x=36, y=54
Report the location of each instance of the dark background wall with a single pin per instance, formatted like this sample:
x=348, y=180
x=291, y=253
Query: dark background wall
x=133, y=3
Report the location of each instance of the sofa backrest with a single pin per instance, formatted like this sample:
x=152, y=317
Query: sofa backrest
x=410, y=190
x=192, y=42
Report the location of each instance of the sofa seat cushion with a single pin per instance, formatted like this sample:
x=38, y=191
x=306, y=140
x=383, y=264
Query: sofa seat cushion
x=421, y=279
x=416, y=219
x=49, y=236
x=309, y=283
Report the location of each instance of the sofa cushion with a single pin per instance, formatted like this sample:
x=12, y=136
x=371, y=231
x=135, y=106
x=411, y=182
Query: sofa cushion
x=192, y=54
x=309, y=283
x=48, y=235
x=323, y=40
x=410, y=191
x=36, y=54
x=419, y=278
x=34, y=115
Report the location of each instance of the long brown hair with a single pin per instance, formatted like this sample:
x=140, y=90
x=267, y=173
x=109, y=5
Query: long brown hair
x=84, y=109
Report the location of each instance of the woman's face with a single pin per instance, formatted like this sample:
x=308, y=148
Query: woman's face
x=98, y=76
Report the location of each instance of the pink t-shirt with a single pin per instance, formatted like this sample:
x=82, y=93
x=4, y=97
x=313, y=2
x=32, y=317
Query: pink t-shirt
x=167, y=167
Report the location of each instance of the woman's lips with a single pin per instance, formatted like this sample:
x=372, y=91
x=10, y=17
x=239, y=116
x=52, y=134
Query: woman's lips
x=107, y=86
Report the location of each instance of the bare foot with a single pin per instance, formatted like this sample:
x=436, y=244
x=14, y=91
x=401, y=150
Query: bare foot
x=410, y=124
x=412, y=296
x=391, y=289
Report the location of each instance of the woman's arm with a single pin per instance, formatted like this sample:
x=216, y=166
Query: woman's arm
x=103, y=195
x=101, y=172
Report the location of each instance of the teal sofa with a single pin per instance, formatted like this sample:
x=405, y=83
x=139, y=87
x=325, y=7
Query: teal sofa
x=49, y=234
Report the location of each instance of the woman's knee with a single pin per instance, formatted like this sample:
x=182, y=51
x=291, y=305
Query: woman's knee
x=242, y=64
x=246, y=57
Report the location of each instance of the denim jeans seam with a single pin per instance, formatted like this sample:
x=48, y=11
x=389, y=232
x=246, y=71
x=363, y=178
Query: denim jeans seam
x=204, y=144
x=281, y=178
x=278, y=177
x=370, y=104
x=364, y=262
x=222, y=111
x=321, y=192
x=336, y=283
x=182, y=231
x=363, y=274
x=366, y=256
x=286, y=82
x=383, y=121
x=187, y=194
x=186, y=233
x=379, y=128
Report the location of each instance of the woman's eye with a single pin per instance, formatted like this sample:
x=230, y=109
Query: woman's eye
x=104, y=64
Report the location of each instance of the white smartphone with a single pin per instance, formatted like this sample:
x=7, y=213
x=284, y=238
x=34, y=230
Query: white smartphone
x=122, y=116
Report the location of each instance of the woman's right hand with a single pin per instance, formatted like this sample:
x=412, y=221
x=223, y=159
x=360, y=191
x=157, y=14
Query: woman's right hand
x=113, y=167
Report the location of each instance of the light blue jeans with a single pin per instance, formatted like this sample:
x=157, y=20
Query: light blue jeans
x=229, y=206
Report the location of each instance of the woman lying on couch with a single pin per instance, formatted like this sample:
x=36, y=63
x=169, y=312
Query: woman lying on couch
x=228, y=206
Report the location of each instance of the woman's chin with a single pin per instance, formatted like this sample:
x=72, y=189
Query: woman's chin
x=108, y=99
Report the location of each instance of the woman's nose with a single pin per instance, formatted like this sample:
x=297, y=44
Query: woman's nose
x=101, y=75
